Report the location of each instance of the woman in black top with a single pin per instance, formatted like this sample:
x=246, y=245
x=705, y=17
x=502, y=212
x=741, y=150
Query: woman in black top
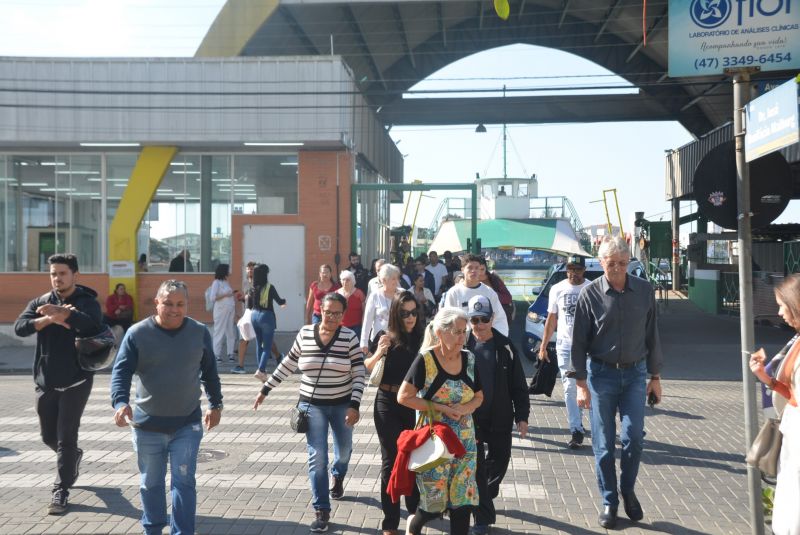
x=260, y=299
x=400, y=345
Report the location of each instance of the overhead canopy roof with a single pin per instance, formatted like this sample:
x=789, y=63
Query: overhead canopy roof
x=554, y=235
x=391, y=45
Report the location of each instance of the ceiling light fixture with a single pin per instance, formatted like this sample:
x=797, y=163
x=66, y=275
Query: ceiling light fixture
x=110, y=145
x=269, y=144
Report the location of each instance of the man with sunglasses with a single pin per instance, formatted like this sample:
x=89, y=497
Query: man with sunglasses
x=505, y=403
x=561, y=312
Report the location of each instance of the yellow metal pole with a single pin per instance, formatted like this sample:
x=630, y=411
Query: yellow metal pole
x=619, y=216
x=152, y=164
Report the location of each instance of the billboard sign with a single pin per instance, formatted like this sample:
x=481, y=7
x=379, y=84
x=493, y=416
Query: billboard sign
x=706, y=37
x=772, y=121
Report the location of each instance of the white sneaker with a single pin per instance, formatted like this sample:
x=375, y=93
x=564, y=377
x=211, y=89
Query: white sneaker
x=408, y=524
x=261, y=376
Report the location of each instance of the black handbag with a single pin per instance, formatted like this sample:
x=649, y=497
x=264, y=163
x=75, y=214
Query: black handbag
x=298, y=419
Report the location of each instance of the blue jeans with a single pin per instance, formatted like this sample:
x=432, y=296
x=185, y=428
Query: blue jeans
x=320, y=417
x=153, y=449
x=264, y=326
x=613, y=390
x=574, y=413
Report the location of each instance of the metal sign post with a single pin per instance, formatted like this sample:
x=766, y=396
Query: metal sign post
x=741, y=95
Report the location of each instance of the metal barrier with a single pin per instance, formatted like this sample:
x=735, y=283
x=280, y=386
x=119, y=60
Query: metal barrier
x=661, y=281
x=730, y=292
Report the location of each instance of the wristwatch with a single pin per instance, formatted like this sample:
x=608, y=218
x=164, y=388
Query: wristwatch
x=217, y=408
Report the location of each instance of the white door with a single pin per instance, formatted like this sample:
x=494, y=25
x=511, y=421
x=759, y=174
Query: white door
x=282, y=248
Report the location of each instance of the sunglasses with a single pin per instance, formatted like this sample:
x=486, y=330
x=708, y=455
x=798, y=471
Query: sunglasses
x=405, y=314
x=479, y=319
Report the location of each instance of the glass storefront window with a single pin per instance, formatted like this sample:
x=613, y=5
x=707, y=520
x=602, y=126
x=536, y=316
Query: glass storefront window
x=265, y=183
x=66, y=203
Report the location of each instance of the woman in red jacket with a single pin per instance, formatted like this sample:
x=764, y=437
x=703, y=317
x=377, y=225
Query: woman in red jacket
x=119, y=308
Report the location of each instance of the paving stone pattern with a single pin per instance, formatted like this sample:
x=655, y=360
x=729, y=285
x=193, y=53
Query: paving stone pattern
x=252, y=478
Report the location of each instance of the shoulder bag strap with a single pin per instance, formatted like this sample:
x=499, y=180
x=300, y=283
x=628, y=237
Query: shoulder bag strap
x=321, y=366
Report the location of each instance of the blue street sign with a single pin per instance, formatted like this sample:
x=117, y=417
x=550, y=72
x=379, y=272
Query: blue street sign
x=772, y=121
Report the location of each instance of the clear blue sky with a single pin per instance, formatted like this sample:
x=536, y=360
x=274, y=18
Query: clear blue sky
x=576, y=160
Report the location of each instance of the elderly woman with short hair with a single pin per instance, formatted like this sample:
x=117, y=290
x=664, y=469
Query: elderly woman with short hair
x=376, y=310
x=354, y=313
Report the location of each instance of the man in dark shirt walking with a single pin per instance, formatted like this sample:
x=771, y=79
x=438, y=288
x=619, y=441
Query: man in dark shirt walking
x=62, y=386
x=361, y=275
x=505, y=403
x=615, y=327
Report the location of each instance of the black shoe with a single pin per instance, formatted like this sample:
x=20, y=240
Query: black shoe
x=337, y=488
x=608, y=518
x=320, y=523
x=58, y=503
x=576, y=440
x=632, y=507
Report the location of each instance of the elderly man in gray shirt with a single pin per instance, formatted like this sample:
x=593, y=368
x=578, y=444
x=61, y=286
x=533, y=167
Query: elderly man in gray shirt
x=615, y=327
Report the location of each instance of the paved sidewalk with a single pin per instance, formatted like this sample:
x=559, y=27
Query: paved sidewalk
x=252, y=478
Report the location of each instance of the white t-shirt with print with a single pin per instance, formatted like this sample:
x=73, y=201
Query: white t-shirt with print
x=562, y=300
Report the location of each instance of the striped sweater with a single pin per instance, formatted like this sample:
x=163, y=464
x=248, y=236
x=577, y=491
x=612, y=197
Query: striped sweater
x=341, y=379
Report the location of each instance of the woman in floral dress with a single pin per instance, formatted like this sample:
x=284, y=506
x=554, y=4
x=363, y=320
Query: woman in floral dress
x=444, y=373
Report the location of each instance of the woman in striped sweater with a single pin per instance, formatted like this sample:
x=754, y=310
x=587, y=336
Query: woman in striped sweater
x=330, y=359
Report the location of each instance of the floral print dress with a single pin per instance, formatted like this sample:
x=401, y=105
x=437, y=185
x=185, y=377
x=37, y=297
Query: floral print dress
x=452, y=484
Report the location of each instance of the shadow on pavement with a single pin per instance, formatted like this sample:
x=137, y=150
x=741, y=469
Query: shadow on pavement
x=543, y=522
x=661, y=453
x=115, y=503
x=673, y=414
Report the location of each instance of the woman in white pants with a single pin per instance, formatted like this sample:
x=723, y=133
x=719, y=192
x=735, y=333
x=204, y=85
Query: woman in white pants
x=224, y=312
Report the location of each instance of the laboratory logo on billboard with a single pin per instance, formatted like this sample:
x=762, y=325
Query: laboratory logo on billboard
x=710, y=13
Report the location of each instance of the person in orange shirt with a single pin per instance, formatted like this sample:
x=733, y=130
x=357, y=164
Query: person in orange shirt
x=785, y=513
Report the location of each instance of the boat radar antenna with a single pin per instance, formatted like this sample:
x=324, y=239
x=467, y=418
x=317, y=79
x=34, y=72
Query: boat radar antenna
x=608, y=217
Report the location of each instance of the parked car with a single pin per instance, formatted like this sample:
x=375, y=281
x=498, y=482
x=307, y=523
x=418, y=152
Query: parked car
x=537, y=312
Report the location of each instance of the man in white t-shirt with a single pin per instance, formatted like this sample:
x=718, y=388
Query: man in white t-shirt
x=438, y=270
x=561, y=310
x=460, y=294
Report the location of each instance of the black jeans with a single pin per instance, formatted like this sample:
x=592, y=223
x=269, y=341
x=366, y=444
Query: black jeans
x=492, y=466
x=59, y=418
x=459, y=520
x=391, y=419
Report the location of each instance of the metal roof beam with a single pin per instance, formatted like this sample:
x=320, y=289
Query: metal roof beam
x=359, y=33
x=609, y=14
x=440, y=15
x=527, y=110
x=404, y=34
x=298, y=30
x=563, y=13
x=703, y=95
x=649, y=30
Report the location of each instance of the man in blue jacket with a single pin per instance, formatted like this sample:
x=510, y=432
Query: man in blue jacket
x=505, y=402
x=62, y=387
x=172, y=355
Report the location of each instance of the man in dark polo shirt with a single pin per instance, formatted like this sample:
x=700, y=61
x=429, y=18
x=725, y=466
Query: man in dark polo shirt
x=615, y=327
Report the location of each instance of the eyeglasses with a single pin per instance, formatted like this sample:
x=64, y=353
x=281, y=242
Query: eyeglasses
x=404, y=314
x=614, y=265
x=479, y=319
x=461, y=332
x=332, y=314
